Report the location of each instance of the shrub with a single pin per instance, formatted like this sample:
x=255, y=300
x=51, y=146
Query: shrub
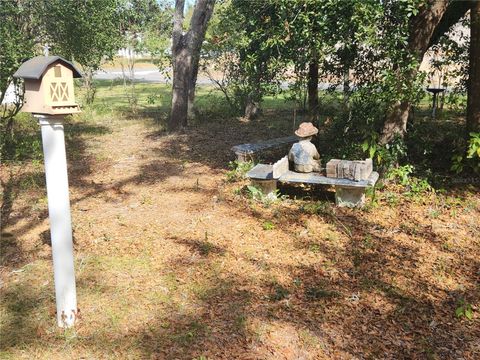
x=238, y=170
x=413, y=185
x=471, y=160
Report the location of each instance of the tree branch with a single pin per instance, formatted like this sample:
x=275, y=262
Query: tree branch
x=424, y=24
x=455, y=11
x=198, y=24
x=177, y=33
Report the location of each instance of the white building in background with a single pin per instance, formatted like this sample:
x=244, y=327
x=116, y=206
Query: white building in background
x=9, y=95
x=130, y=53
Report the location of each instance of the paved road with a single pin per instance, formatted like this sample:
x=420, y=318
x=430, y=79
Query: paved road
x=145, y=75
x=148, y=75
x=155, y=76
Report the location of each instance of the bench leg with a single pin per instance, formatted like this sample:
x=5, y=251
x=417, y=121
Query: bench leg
x=349, y=196
x=242, y=157
x=267, y=186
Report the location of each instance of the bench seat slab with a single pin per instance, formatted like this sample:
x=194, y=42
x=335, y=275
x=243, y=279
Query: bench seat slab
x=246, y=152
x=261, y=172
x=348, y=193
x=316, y=178
x=254, y=147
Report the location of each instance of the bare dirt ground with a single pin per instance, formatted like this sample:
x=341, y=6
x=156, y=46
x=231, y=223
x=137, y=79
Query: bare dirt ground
x=174, y=262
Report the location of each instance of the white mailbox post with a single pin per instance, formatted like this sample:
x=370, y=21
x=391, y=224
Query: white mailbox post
x=49, y=96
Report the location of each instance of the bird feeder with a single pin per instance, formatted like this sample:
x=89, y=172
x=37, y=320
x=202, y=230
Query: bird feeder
x=49, y=85
x=49, y=96
x=435, y=92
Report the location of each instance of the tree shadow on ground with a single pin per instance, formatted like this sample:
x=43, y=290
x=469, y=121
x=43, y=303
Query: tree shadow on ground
x=366, y=298
x=210, y=142
x=408, y=313
x=20, y=326
x=29, y=182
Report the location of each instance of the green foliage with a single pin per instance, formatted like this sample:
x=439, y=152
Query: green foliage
x=360, y=44
x=268, y=225
x=318, y=208
x=242, y=51
x=238, y=170
x=279, y=292
x=386, y=156
x=401, y=174
x=413, y=185
x=18, y=33
x=86, y=31
x=145, y=26
x=457, y=163
x=24, y=142
x=471, y=160
x=473, y=151
x=267, y=200
x=370, y=144
x=152, y=99
x=464, y=310
x=255, y=193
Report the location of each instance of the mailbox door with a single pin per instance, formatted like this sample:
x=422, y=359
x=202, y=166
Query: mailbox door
x=58, y=82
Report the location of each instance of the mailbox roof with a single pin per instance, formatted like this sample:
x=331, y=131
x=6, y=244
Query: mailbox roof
x=35, y=67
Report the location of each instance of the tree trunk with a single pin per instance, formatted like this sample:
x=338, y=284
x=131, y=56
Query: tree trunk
x=186, y=54
x=251, y=108
x=346, y=86
x=312, y=86
x=192, y=85
x=346, y=92
x=455, y=11
x=90, y=89
x=396, y=121
x=178, y=116
x=422, y=28
x=181, y=77
x=473, y=100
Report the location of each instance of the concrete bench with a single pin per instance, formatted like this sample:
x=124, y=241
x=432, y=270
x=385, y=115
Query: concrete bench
x=246, y=152
x=347, y=192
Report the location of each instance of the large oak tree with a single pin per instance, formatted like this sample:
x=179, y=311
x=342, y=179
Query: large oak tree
x=433, y=20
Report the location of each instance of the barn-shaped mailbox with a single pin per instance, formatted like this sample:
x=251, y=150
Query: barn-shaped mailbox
x=49, y=85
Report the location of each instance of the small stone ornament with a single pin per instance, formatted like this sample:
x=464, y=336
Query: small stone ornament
x=304, y=154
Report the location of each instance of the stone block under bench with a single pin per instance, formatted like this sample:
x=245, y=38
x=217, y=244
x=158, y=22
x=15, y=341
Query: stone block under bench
x=348, y=192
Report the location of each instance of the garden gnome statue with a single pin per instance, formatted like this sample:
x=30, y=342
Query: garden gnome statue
x=304, y=154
